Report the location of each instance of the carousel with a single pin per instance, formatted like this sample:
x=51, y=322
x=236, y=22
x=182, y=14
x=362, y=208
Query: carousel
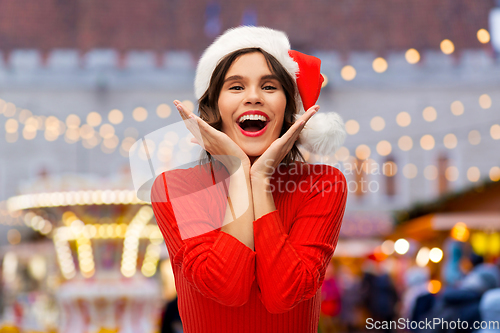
x=107, y=247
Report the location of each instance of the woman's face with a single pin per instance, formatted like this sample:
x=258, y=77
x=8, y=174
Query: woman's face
x=252, y=104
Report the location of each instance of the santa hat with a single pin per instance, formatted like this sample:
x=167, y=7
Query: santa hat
x=324, y=133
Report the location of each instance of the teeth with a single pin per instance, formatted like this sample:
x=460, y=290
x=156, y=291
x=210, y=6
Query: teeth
x=252, y=117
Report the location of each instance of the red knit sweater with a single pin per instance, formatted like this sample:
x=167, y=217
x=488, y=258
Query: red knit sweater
x=224, y=286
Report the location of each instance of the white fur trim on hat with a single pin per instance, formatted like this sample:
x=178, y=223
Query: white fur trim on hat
x=324, y=133
x=272, y=41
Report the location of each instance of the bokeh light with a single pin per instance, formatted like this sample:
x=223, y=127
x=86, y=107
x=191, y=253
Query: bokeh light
x=495, y=132
x=13, y=236
x=430, y=172
x=474, y=137
x=107, y=131
x=447, y=46
x=459, y=232
x=73, y=121
x=450, y=141
x=379, y=65
x=352, y=127
x=188, y=104
x=387, y=247
x=377, y=123
x=494, y=173
x=405, y=143
x=163, y=111
x=485, y=101
x=9, y=110
x=94, y=119
x=401, y=246
x=434, y=286
x=451, y=173
x=348, y=73
x=436, y=254
x=115, y=116
x=457, y=108
x=140, y=114
x=11, y=125
x=410, y=171
x=412, y=56
x=403, y=119
x=363, y=152
x=427, y=142
x=422, y=258
x=384, y=148
x=24, y=115
x=473, y=174
x=429, y=114
x=483, y=36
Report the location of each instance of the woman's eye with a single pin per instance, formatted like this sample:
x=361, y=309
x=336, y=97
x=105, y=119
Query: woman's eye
x=236, y=88
x=269, y=88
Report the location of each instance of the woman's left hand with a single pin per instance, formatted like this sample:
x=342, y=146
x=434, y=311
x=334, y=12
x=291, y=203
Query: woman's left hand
x=265, y=165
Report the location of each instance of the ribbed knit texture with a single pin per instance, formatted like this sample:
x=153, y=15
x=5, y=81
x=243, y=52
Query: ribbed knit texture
x=224, y=286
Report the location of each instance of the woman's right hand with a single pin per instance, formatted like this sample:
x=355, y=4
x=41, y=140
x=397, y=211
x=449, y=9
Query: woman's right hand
x=217, y=143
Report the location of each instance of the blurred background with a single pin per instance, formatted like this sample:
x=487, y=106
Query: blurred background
x=417, y=83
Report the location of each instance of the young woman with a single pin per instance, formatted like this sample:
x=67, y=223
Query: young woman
x=250, y=242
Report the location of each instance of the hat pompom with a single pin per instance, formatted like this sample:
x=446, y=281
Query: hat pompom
x=323, y=134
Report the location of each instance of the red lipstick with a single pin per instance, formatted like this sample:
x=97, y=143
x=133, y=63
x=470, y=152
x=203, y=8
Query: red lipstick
x=256, y=133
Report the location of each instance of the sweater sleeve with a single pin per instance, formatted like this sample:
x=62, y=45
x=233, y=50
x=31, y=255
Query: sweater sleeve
x=214, y=263
x=291, y=268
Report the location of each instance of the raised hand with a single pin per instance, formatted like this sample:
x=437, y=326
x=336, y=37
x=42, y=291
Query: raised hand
x=264, y=166
x=217, y=143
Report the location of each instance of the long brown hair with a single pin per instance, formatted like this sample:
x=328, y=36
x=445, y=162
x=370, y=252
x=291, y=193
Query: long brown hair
x=208, y=103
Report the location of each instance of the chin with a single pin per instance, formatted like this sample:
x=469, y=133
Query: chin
x=254, y=151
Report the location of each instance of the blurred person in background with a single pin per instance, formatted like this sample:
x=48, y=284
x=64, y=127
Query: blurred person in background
x=417, y=281
x=379, y=293
x=462, y=302
x=330, y=302
x=452, y=271
x=350, y=294
x=171, y=320
x=489, y=308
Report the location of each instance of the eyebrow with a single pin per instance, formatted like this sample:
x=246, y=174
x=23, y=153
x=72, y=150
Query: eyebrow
x=239, y=77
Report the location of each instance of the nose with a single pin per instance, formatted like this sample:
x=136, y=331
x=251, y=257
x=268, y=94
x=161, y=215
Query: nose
x=253, y=96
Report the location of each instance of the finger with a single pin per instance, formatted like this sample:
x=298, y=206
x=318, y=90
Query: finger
x=300, y=123
x=191, y=122
x=194, y=128
x=180, y=110
x=202, y=131
x=185, y=112
x=193, y=140
x=309, y=113
x=293, y=132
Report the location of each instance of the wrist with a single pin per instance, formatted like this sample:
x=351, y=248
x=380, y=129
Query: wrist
x=260, y=184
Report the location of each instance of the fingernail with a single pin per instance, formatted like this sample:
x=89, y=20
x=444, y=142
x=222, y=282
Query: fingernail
x=316, y=109
x=179, y=107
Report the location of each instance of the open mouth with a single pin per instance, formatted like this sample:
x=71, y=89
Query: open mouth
x=253, y=121
x=252, y=125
